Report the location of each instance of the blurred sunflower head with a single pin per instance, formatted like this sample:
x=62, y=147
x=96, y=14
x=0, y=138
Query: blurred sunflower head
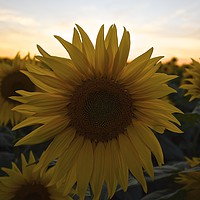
x=191, y=183
x=192, y=82
x=11, y=79
x=167, y=68
x=99, y=110
x=27, y=185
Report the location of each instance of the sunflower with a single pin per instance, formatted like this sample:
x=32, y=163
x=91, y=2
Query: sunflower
x=25, y=184
x=100, y=112
x=12, y=79
x=167, y=68
x=192, y=84
x=191, y=182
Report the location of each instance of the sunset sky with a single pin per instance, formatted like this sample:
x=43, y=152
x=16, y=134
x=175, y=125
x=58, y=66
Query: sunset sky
x=172, y=27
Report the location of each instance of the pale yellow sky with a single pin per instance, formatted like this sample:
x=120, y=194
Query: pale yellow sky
x=171, y=27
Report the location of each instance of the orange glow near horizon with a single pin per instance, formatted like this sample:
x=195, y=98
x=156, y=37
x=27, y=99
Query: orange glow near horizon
x=173, y=29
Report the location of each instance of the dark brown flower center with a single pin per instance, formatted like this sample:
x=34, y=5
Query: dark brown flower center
x=15, y=81
x=32, y=192
x=100, y=109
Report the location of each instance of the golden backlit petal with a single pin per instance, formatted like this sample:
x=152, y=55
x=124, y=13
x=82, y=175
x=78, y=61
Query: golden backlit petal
x=30, y=110
x=17, y=178
x=6, y=184
x=143, y=151
x=152, y=62
x=64, y=70
x=120, y=167
x=38, y=81
x=70, y=179
x=158, y=104
x=170, y=126
x=98, y=173
x=7, y=195
x=88, y=47
x=56, y=147
x=67, y=159
x=158, y=114
x=49, y=101
x=135, y=67
x=149, y=122
x=31, y=158
x=84, y=168
x=132, y=159
x=46, y=176
x=111, y=43
x=146, y=74
x=76, y=40
x=162, y=78
x=32, y=121
x=42, y=51
x=24, y=109
x=24, y=167
x=110, y=177
x=44, y=132
x=18, y=98
x=27, y=93
x=39, y=70
x=148, y=138
x=159, y=92
x=149, y=84
x=112, y=39
x=15, y=168
x=162, y=118
x=79, y=59
x=100, y=53
x=122, y=54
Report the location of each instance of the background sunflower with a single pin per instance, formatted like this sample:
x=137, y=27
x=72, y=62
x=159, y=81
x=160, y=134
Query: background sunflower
x=192, y=83
x=25, y=184
x=11, y=79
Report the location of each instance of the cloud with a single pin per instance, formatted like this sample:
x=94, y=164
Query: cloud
x=10, y=16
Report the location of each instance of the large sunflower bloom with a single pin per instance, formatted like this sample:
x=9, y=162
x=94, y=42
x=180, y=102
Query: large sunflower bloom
x=27, y=185
x=99, y=111
x=192, y=84
x=12, y=79
x=191, y=183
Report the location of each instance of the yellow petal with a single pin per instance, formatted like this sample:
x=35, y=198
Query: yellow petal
x=67, y=159
x=98, y=173
x=100, y=52
x=120, y=166
x=76, y=40
x=111, y=43
x=110, y=177
x=122, y=53
x=56, y=148
x=70, y=179
x=78, y=58
x=133, y=161
x=88, y=47
x=143, y=151
x=135, y=67
x=148, y=137
x=44, y=132
x=63, y=70
x=84, y=167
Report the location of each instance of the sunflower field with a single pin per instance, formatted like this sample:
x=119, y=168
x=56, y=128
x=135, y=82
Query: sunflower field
x=96, y=126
